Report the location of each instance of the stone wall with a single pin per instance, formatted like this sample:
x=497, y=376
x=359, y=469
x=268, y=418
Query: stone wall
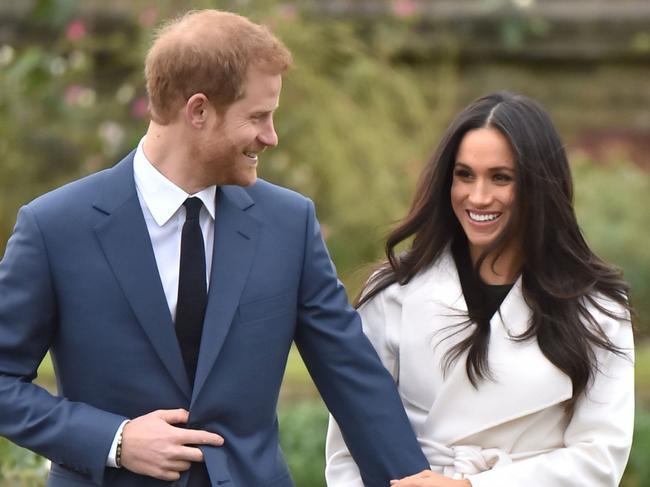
x=587, y=61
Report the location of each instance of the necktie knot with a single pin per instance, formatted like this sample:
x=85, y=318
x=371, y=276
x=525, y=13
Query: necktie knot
x=192, y=207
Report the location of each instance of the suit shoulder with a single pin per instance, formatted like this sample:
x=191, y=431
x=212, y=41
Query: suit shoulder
x=83, y=192
x=263, y=187
x=68, y=196
x=273, y=195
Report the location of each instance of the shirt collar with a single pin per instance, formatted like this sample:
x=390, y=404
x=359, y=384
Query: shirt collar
x=160, y=195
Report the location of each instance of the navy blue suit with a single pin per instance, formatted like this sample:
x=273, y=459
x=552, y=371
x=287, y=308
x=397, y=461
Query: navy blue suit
x=79, y=278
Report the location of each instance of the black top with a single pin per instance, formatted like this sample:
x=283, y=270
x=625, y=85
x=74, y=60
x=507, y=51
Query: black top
x=494, y=296
x=483, y=300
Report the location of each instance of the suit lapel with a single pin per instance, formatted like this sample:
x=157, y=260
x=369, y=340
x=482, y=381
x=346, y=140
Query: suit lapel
x=125, y=240
x=235, y=240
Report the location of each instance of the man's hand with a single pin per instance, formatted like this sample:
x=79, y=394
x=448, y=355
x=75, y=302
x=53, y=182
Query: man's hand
x=427, y=478
x=152, y=446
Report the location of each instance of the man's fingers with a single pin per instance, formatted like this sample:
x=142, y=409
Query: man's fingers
x=173, y=416
x=179, y=466
x=199, y=437
x=168, y=475
x=189, y=454
x=157, y=444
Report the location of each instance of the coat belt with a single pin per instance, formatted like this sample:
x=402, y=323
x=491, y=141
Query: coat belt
x=458, y=461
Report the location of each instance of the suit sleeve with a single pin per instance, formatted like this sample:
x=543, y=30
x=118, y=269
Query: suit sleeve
x=598, y=437
x=357, y=389
x=72, y=434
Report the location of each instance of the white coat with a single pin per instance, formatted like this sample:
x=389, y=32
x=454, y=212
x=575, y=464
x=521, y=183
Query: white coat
x=512, y=431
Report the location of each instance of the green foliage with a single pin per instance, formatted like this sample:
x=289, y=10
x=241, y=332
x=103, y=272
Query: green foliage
x=20, y=468
x=302, y=437
x=353, y=129
x=637, y=473
x=642, y=369
x=70, y=103
x=610, y=202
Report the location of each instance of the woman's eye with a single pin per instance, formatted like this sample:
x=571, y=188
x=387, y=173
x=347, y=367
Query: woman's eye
x=462, y=173
x=502, y=178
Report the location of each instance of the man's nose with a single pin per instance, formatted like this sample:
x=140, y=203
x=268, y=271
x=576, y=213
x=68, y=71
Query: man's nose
x=268, y=136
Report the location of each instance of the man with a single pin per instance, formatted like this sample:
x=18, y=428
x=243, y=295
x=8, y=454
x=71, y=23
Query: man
x=170, y=287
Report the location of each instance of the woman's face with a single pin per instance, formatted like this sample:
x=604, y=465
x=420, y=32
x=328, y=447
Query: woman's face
x=483, y=186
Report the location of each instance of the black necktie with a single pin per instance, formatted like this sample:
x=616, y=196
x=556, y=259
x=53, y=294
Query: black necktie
x=192, y=293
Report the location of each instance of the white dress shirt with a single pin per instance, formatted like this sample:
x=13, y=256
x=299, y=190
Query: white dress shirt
x=162, y=206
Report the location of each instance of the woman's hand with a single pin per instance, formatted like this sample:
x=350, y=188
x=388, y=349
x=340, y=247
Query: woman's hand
x=427, y=478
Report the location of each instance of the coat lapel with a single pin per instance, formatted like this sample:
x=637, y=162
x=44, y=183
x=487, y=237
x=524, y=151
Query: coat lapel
x=235, y=240
x=125, y=240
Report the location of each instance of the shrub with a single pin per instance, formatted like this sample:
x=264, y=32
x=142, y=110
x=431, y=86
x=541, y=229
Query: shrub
x=302, y=437
x=609, y=203
x=19, y=467
x=637, y=473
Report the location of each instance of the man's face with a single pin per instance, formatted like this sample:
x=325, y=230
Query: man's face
x=230, y=146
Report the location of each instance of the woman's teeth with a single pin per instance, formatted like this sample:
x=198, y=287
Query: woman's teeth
x=483, y=217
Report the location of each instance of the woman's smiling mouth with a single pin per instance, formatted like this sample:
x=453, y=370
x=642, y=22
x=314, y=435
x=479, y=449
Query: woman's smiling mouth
x=483, y=216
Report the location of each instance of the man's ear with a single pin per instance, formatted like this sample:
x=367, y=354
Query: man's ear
x=198, y=110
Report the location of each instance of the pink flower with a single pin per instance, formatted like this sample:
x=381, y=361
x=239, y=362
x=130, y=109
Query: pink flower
x=405, y=8
x=140, y=107
x=73, y=93
x=288, y=11
x=76, y=30
x=81, y=96
x=148, y=17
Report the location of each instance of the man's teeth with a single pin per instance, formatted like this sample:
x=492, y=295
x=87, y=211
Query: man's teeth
x=483, y=217
x=252, y=155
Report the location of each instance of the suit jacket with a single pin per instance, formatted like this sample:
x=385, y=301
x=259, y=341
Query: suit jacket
x=79, y=278
x=512, y=431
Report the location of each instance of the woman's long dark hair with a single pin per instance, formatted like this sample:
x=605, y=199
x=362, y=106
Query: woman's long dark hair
x=561, y=276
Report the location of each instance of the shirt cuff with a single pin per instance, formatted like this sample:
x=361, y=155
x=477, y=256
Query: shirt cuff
x=110, y=461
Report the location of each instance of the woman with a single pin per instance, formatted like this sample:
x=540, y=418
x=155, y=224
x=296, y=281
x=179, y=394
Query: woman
x=509, y=340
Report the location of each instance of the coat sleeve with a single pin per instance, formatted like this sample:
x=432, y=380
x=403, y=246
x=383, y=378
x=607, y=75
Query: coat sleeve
x=72, y=434
x=598, y=437
x=341, y=470
x=357, y=389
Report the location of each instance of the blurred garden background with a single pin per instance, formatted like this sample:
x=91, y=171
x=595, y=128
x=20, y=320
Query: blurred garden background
x=375, y=83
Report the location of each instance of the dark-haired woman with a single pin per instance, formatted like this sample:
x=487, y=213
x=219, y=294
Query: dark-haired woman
x=510, y=341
